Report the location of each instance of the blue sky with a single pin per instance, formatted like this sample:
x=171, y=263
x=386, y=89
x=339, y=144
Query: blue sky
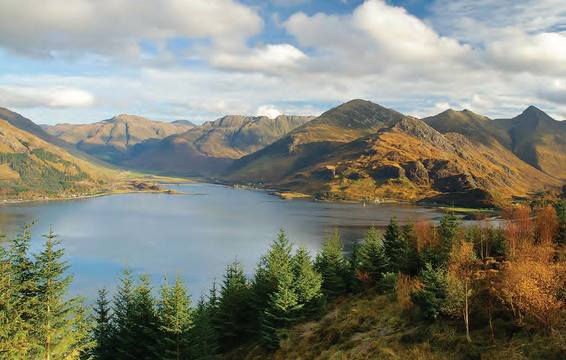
x=88, y=60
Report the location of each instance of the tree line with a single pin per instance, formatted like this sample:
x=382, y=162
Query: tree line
x=475, y=274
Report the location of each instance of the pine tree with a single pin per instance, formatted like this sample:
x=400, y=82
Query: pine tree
x=373, y=261
x=145, y=320
x=273, y=266
x=448, y=228
x=234, y=308
x=124, y=337
x=176, y=320
x=394, y=247
x=279, y=313
x=103, y=330
x=24, y=278
x=61, y=330
x=307, y=283
x=14, y=341
x=333, y=266
x=203, y=339
x=412, y=264
x=432, y=295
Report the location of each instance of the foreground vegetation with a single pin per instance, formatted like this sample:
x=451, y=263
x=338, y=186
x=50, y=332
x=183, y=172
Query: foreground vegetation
x=419, y=290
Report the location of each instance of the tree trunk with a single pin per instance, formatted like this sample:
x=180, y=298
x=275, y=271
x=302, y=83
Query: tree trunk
x=466, y=312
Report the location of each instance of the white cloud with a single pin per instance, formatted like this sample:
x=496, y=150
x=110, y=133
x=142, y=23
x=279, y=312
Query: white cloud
x=268, y=110
x=115, y=27
x=377, y=39
x=50, y=97
x=517, y=51
x=268, y=58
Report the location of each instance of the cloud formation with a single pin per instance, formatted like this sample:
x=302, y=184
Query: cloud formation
x=49, y=97
x=491, y=56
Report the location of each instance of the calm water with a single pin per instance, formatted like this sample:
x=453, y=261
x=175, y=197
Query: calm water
x=193, y=235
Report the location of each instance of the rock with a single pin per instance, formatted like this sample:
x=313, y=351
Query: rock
x=475, y=198
x=455, y=183
x=388, y=172
x=416, y=172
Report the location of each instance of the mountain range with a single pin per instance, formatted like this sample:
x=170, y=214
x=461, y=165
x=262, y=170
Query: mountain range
x=356, y=151
x=110, y=139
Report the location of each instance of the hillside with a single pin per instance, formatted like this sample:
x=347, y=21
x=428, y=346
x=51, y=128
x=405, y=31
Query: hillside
x=207, y=149
x=402, y=158
x=307, y=145
x=538, y=139
x=110, y=139
x=373, y=326
x=31, y=167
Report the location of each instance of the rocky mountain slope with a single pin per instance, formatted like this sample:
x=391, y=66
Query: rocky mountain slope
x=374, y=154
x=538, y=139
x=110, y=139
x=207, y=149
x=33, y=166
x=307, y=145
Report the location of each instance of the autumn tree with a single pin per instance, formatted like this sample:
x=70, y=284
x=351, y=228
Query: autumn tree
x=546, y=225
x=460, y=280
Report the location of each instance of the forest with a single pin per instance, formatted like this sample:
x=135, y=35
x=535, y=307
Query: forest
x=488, y=282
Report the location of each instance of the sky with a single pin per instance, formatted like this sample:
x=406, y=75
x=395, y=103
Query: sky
x=86, y=60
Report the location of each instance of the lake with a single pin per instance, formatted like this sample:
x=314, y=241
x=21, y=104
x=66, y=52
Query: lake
x=193, y=235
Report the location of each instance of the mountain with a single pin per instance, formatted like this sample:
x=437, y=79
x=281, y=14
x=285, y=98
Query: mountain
x=207, y=149
x=538, y=139
x=308, y=144
x=25, y=124
x=469, y=124
x=110, y=139
x=33, y=166
x=373, y=154
x=184, y=122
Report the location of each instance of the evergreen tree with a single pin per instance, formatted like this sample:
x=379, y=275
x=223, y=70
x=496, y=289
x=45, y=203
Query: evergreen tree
x=279, y=313
x=373, y=261
x=412, y=264
x=394, y=246
x=14, y=341
x=431, y=297
x=333, y=266
x=448, y=228
x=61, y=331
x=103, y=330
x=234, y=308
x=145, y=321
x=203, y=339
x=124, y=336
x=307, y=283
x=24, y=278
x=273, y=266
x=176, y=320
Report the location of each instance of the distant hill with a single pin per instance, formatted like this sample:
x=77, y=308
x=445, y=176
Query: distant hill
x=110, y=139
x=538, y=139
x=207, y=149
x=33, y=166
x=372, y=153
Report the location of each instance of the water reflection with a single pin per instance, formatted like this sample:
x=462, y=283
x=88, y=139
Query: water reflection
x=191, y=235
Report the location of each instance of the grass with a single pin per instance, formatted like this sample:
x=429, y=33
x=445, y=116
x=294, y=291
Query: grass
x=374, y=326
